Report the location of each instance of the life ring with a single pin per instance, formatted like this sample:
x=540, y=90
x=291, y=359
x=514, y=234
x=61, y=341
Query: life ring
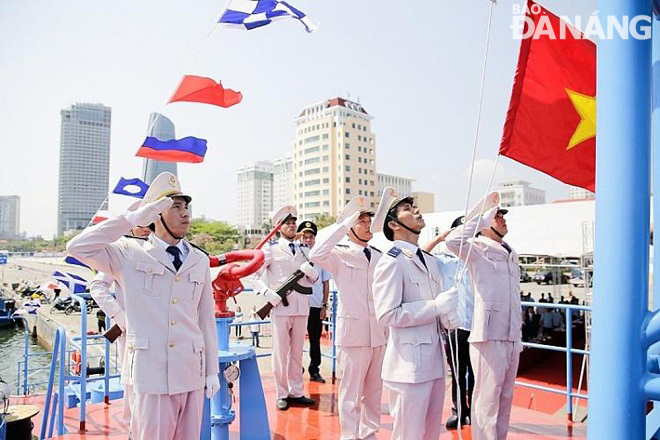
x=76, y=359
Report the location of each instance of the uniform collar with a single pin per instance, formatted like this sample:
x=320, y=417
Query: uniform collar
x=284, y=242
x=405, y=245
x=159, y=242
x=354, y=246
x=492, y=243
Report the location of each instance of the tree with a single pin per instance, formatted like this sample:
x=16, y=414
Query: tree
x=215, y=237
x=323, y=220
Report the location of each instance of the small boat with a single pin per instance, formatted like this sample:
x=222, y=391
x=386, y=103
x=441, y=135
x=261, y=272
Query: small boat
x=7, y=309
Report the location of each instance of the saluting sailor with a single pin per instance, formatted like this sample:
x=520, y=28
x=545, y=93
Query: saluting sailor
x=411, y=301
x=282, y=258
x=495, y=339
x=115, y=306
x=172, y=349
x=360, y=338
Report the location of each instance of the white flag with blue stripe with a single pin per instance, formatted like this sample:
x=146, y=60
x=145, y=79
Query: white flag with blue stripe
x=251, y=14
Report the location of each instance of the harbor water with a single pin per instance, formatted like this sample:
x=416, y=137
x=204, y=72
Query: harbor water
x=12, y=350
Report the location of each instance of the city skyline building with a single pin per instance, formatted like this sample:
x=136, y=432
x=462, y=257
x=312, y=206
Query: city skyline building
x=162, y=128
x=10, y=217
x=282, y=182
x=84, y=164
x=577, y=193
x=255, y=194
x=402, y=185
x=519, y=193
x=334, y=157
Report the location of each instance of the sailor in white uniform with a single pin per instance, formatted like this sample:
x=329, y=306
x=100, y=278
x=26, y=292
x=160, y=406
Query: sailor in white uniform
x=411, y=301
x=115, y=305
x=360, y=338
x=495, y=339
x=283, y=258
x=171, y=340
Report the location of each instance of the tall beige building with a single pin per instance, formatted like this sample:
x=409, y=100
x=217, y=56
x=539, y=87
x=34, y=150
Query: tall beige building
x=334, y=157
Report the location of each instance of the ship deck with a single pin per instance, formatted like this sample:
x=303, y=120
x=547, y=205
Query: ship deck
x=322, y=421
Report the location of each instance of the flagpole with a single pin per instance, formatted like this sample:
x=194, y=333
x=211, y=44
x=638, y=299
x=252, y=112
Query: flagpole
x=620, y=383
x=454, y=353
x=217, y=20
x=478, y=123
x=107, y=198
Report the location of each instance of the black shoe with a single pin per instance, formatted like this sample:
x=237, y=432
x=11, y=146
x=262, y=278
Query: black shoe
x=316, y=377
x=452, y=422
x=302, y=400
x=282, y=404
x=466, y=421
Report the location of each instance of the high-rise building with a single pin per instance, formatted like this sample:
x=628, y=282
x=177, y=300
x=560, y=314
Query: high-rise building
x=10, y=217
x=519, y=193
x=334, y=157
x=255, y=194
x=84, y=164
x=162, y=129
x=577, y=193
x=282, y=182
x=402, y=185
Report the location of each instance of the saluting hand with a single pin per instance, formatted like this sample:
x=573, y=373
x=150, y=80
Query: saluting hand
x=148, y=213
x=348, y=222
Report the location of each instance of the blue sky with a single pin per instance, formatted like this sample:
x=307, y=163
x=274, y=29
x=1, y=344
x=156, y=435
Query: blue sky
x=416, y=69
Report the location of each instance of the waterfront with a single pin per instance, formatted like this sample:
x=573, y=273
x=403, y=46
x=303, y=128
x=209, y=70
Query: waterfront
x=12, y=340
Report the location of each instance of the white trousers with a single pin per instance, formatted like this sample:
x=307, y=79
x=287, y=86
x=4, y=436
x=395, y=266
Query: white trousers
x=360, y=391
x=495, y=364
x=416, y=409
x=167, y=417
x=126, y=413
x=288, y=340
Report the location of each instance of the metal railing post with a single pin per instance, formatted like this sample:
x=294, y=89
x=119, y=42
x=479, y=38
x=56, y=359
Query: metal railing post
x=106, y=396
x=83, y=359
x=49, y=390
x=569, y=365
x=26, y=354
x=60, y=384
x=334, y=335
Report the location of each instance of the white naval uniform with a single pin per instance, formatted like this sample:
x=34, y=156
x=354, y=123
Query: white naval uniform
x=289, y=322
x=495, y=339
x=414, y=364
x=99, y=288
x=360, y=338
x=170, y=326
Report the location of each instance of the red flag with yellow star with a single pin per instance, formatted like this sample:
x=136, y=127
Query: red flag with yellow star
x=551, y=122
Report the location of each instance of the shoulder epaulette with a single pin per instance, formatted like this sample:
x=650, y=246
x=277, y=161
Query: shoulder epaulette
x=341, y=245
x=376, y=249
x=272, y=241
x=197, y=247
x=136, y=238
x=394, y=252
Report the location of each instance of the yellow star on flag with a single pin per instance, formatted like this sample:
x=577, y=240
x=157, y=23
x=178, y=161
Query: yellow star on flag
x=585, y=105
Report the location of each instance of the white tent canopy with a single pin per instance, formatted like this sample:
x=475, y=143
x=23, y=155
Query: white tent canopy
x=552, y=229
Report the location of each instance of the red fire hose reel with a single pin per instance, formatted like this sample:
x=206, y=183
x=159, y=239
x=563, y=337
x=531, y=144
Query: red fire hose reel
x=227, y=284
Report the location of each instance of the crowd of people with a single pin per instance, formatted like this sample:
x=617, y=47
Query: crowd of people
x=539, y=323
